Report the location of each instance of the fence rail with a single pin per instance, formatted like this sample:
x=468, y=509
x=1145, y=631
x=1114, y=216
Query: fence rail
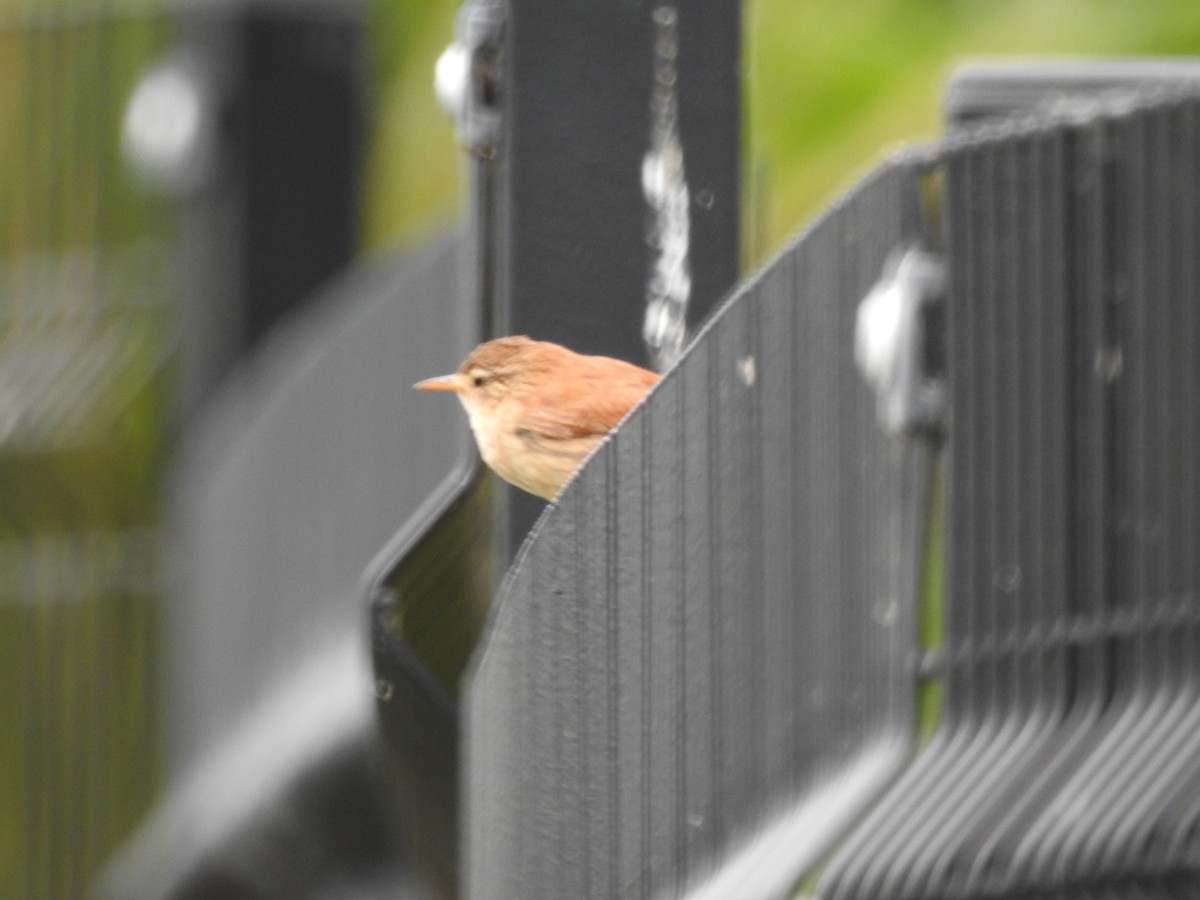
x=716, y=619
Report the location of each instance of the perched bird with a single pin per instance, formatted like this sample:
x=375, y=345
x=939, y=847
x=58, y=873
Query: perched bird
x=537, y=409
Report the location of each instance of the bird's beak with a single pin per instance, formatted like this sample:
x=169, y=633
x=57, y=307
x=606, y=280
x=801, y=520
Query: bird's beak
x=441, y=383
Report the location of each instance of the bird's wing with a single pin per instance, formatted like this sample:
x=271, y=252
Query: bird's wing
x=589, y=409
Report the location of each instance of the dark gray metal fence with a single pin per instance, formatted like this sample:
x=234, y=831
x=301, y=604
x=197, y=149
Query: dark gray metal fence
x=1066, y=756
x=700, y=676
x=588, y=100
x=276, y=792
x=701, y=666
x=703, y=662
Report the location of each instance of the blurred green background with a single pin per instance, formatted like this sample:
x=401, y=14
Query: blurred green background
x=831, y=87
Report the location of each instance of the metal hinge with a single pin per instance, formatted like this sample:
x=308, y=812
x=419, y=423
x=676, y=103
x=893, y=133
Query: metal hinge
x=467, y=76
x=898, y=342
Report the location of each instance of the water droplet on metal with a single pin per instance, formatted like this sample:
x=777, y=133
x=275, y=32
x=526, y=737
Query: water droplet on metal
x=885, y=612
x=1109, y=363
x=747, y=370
x=383, y=689
x=1008, y=578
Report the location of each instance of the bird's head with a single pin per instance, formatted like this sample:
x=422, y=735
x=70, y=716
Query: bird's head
x=491, y=373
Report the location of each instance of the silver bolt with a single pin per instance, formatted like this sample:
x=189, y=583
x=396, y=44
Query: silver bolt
x=451, y=77
x=887, y=340
x=167, y=133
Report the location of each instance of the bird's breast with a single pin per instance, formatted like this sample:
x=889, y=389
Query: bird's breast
x=520, y=455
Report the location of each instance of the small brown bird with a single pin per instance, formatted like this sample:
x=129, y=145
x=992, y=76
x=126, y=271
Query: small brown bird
x=537, y=409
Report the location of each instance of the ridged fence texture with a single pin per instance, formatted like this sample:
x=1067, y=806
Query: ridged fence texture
x=1066, y=760
x=701, y=664
x=704, y=662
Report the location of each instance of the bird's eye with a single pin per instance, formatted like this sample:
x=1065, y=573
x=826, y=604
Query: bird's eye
x=478, y=380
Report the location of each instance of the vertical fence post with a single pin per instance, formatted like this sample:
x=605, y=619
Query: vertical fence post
x=276, y=215
x=594, y=97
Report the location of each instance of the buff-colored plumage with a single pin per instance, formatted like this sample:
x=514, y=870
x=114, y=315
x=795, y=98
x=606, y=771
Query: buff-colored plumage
x=537, y=409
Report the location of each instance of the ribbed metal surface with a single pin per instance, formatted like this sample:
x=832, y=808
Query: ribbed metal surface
x=271, y=510
x=702, y=664
x=1066, y=759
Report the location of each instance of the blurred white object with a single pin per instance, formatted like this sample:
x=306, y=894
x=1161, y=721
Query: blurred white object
x=890, y=341
x=466, y=77
x=450, y=75
x=168, y=132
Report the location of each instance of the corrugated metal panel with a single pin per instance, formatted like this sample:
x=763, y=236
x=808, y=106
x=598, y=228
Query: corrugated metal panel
x=1067, y=752
x=703, y=663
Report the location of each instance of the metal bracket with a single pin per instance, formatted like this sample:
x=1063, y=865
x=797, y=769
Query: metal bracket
x=467, y=76
x=894, y=341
